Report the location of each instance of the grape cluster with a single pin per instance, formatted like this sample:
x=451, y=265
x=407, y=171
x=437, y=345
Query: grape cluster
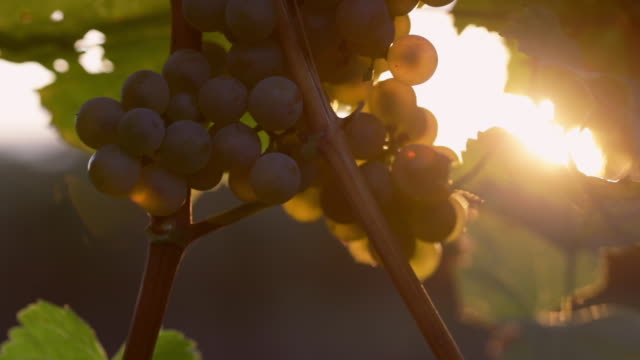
x=352, y=43
x=238, y=112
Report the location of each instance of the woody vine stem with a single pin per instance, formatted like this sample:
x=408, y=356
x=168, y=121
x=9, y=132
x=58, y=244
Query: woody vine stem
x=172, y=235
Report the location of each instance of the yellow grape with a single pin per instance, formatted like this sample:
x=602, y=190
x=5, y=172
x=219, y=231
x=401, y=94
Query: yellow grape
x=412, y=59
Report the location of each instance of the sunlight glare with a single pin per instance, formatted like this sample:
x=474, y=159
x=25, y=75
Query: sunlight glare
x=466, y=94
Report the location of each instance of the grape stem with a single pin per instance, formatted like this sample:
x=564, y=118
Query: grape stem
x=333, y=146
x=171, y=236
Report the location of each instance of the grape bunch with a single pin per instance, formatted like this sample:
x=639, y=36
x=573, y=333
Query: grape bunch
x=239, y=113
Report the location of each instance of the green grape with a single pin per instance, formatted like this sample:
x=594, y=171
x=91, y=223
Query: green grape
x=401, y=7
x=216, y=57
x=437, y=3
x=250, y=20
x=252, y=63
x=186, y=147
x=275, y=103
x=421, y=172
x=346, y=233
x=112, y=171
x=359, y=250
x=421, y=128
x=366, y=25
x=145, y=89
x=412, y=59
x=97, y=122
x=377, y=176
x=204, y=15
x=240, y=185
x=159, y=192
x=426, y=259
x=209, y=176
x=186, y=70
x=183, y=106
x=275, y=178
x=393, y=102
x=365, y=135
x=351, y=93
x=402, y=24
x=223, y=100
x=140, y=132
x=237, y=144
x=305, y=206
x=433, y=222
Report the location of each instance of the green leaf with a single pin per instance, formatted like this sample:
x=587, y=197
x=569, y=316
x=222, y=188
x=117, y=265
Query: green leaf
x=596, y=333
x=515, y=273
x=51, y=332
x=172, y=345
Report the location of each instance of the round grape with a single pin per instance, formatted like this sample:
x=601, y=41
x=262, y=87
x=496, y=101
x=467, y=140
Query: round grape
x=159, y=192
x=140, y=132
x=97, y=122
x=393, y=101
x=240, y=185
x=183, y=106
x=421, y=172
x=238, y=145
x=365, y=135
x=251, y=20
x=426, y=259
x=360, y=19
x=186, y=70
x=433, y=222
x=112, y=171
x=334, y=202
x=412, y=59
x=305, y=206
x=209, y=176
x=204, y=15
x=186, y=147
x=275, y=103
x=145, y=89
x=421, y=128
x=402, y=24
x=377, y=176
x=275, y=177
x=223, y=100
x=252, y=63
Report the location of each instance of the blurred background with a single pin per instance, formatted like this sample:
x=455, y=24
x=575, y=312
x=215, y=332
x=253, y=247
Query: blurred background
x=557, y=191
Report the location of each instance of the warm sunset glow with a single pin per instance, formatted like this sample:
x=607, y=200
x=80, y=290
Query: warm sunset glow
x=467, y=95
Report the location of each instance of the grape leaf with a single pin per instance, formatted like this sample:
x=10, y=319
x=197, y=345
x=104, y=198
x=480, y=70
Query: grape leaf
x=596, y=333
x=171, y=345
x=618, y=285
x=539, y=33
x=515, y=273
x=50, y=332
x=27, y=29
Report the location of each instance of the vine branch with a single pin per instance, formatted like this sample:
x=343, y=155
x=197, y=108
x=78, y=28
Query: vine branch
x=223, y=219
x=334, y=148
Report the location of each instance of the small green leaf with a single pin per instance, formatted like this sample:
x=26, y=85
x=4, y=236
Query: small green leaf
x=172, y=345
x=50, y=332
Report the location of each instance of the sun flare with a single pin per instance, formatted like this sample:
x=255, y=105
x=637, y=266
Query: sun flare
x=467, y=96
